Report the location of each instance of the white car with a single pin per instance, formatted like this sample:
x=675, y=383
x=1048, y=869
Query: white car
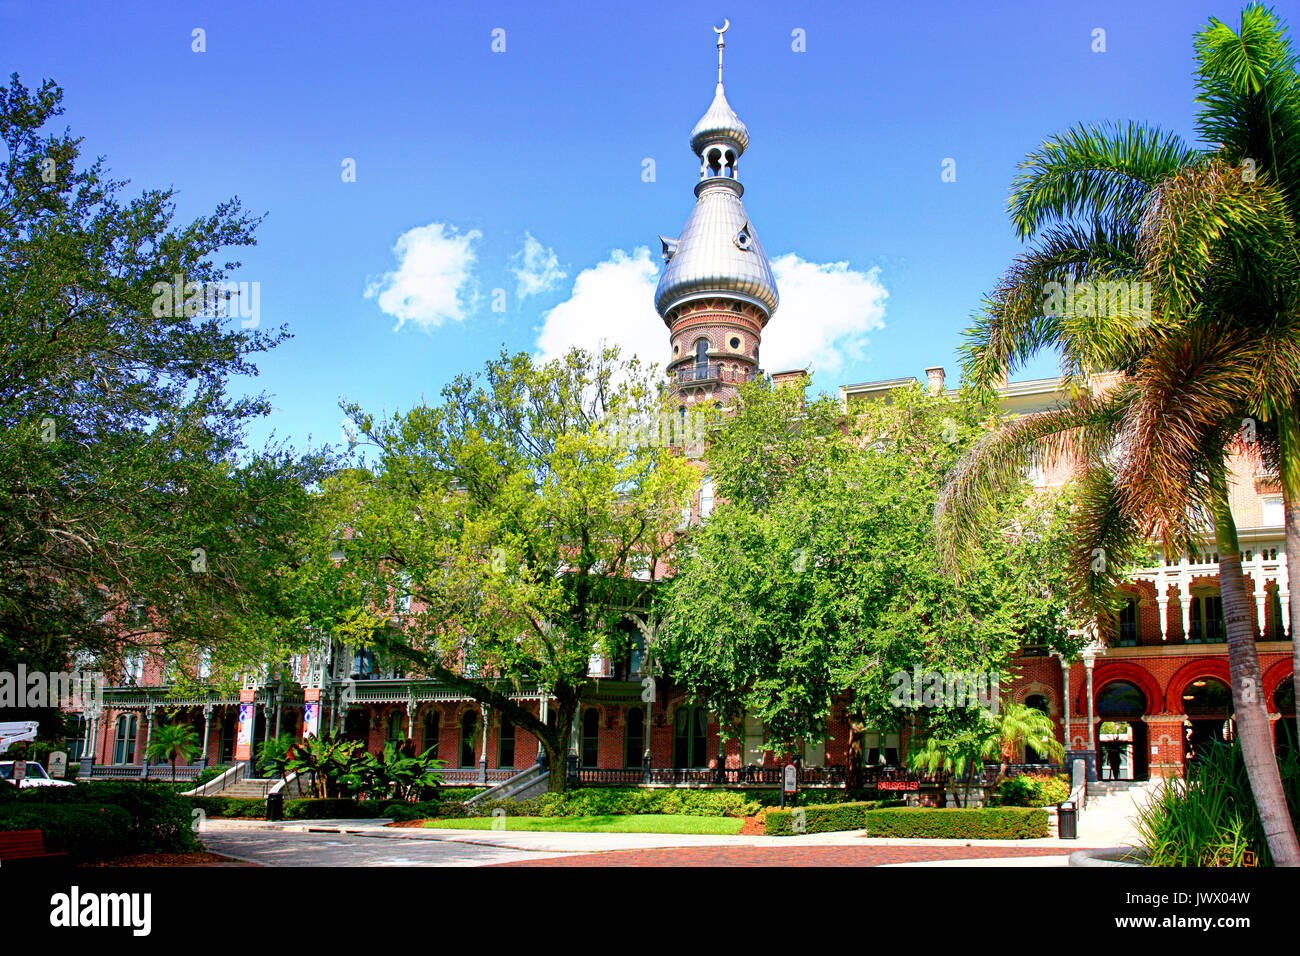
x=35, y=777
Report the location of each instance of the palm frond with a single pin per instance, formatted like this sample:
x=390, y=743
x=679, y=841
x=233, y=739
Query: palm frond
x=996, y=464
x=1094, y=172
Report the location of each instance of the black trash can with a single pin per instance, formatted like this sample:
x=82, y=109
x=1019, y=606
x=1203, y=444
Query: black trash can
x=1067, y=822
x=275, y=806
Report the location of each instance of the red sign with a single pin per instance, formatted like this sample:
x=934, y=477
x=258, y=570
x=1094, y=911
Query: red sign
x=898, y=785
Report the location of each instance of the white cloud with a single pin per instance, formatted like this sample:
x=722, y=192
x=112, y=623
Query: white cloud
x=434, y=278
x=826, y=311
x=612, y=302
x=825, y=315
x=536, y=267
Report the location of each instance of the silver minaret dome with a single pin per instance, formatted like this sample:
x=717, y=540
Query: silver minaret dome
x=718, y=252
x=720, y=123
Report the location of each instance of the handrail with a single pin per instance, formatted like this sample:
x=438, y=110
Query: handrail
x=232, y=776
x=508, y=785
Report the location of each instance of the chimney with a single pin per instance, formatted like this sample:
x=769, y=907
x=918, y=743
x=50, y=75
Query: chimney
x=934, y=377
x=795, y=378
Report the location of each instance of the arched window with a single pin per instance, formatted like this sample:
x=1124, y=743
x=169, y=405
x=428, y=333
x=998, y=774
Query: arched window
x=690, y=737
x=431, y=730
x=506, y=744
x=634, y=738
x=124, y=741
x=397, y=728
x=1207, y=620
x=1039, y=703
x=468, y=728
x=701, y=352
x=1126, y=624
x=591, y=737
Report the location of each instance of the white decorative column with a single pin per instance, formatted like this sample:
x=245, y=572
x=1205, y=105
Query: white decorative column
x=207, y=730
x=1284, y=591
x=482, y=761
x=410, y=718
x=1089, y=655
x=148, y=737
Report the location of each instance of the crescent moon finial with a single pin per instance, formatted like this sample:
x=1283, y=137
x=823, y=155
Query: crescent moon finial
x=726, y=24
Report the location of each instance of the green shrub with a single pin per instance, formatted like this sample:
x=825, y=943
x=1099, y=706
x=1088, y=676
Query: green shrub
x=324, y=808
x=823, y=818
x=1032, y=790
x=159, y=819
x=425, y=810
x=235, y=808
x=1212, y=819
x=85, y=833
x=928, y=823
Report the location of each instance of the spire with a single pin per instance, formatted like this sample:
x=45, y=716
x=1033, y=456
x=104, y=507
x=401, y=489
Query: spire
x=720, y=126
x=717, y=252
x=726, y=25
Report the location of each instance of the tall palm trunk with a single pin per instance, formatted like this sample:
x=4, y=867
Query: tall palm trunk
x=1289, y=433
x=1253, y=731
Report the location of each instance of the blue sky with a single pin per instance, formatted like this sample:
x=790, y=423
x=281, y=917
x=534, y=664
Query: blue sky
x=523, y=170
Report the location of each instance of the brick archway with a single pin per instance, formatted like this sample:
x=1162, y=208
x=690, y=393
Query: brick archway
x=1273, y=677
x=1121, y=671
x=1216, y=667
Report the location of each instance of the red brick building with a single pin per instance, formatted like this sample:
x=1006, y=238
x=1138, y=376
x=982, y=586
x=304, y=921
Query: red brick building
x=1139, y=699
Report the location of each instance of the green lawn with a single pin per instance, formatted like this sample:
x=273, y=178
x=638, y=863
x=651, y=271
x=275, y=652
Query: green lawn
x=639, y=823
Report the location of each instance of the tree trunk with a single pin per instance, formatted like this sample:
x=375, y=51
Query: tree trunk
x=1253, y=731
x=556, y=744
x=1288, y=423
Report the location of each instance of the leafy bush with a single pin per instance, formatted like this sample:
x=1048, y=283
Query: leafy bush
x=817, y=819
x=426, y=810
x=327, y=808
x=229, y=807
x=623, y=801
x=1033, y=790
x=1211, y=819
x=998, y=823
x=85, y=833
x=159, y=819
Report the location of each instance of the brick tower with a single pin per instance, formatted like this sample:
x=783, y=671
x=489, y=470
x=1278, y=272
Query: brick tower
x=717, y=291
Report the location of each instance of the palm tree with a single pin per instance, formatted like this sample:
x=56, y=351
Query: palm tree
x=1015, y=725
x=172, y=742
x=1215, y=339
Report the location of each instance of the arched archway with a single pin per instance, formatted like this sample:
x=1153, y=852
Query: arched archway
x=1041, y=703
x=1121, y=731
x=1284, y=728
x=1207, y=701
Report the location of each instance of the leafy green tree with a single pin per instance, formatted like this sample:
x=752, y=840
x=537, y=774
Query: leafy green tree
x=1212, y=235
x=331, y=761
x=133, y=516
x=1014, y=726
x=273, y=755
x=497, y=538
x=823, y=578
x=172, y=742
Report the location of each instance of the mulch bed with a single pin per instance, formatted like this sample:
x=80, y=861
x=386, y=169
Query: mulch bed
x=753, y=826
x=407, y=823
x=171, y=859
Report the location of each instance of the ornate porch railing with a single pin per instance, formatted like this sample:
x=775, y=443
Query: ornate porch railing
x=883, y=778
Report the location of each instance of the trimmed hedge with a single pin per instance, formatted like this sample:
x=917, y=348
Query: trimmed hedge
x=818, y=819
x=1033, y=790
x=86, y=834
x=626, y=801
x=928, y=823
x=104, y=820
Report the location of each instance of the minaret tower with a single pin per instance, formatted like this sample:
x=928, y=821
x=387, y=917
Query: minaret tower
x=717, y=291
